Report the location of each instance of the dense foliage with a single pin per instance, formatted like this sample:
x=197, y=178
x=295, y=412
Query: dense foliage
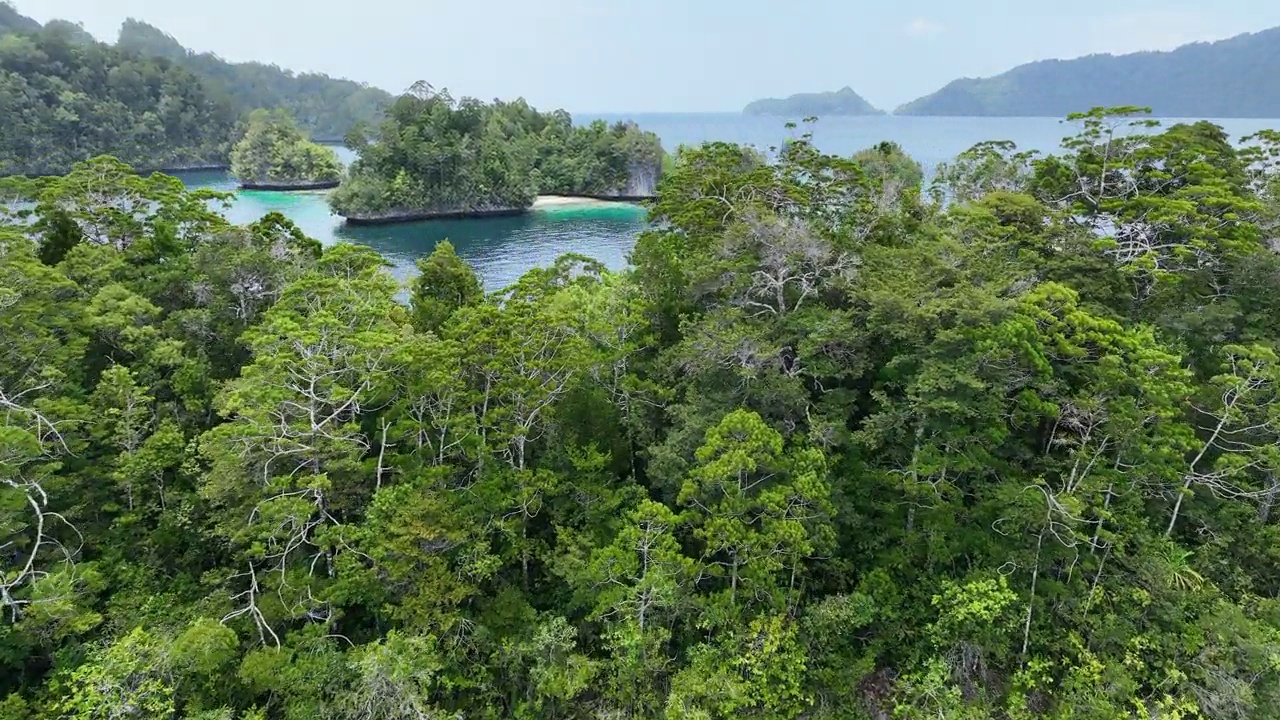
x=831, y=449
x=599, y=159
x=434, y=154
x=1227, y=79
x=64, y=99
x=890, y=168
x=274, y=151
x=325, y=107
x=842, y=102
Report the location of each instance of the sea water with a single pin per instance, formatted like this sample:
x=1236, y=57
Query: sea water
x=502, y=249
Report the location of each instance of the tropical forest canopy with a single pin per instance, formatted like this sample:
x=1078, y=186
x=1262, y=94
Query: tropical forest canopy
x=437, y=154
x=843, y=102
x=274, y=151
x=65, y=97
x=832, y=448
x=1231, y=78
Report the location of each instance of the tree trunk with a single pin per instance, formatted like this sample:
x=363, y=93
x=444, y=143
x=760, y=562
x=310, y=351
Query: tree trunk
x=733, y=586
x=1268, y=502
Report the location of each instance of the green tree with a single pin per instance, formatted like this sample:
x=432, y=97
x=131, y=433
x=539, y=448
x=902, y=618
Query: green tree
x=327, y=351
x=436, y=155
x=759, y=513
x=274, y=151
x=892, y=169
x=444, y=284
x=128, y=678
x=819, y=453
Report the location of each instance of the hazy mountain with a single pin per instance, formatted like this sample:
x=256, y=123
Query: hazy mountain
x=843, y=102
x=12, y=21
x=73, y=32
x=65, y=97
x=324, y=106
x=1230, y=78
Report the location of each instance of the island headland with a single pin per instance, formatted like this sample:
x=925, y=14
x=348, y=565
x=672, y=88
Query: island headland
x=274, y=154
x=844, y=102
x=437, y=157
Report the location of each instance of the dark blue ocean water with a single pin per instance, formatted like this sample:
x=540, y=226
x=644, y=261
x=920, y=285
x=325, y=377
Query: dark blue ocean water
x=501, y=249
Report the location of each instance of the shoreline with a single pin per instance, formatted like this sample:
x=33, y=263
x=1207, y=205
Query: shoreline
x=395, y=218
x=541, y=203
x=290, y=186
x=185, y=168
x=547, y=202
x=140, y=172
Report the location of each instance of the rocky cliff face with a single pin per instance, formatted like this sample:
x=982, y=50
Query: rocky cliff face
x=641, y=184
x=281, y=185
x=402, y=215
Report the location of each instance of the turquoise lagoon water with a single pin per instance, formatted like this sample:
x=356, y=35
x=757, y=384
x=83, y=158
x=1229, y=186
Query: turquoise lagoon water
x=502, y=249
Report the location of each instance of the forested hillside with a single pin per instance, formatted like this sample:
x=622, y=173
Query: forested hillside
x=832, y=448
x=325, y=107
x=1228, y=79
x=65, y=98
x=13, y=21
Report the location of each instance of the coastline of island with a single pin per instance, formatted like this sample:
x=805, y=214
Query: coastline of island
x=275, y=155
x=299, y=186
x=398, y=216
x=142, y=171
x=551, y=202
x=843, y=102
x=541, y=203
x=489, y=159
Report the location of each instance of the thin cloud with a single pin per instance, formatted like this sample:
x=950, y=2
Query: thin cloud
x=923, y=27
x=1157, y=30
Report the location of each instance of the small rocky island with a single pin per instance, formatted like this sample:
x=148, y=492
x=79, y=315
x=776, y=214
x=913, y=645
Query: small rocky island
x=845, y=102
x=437, y=157
x=275, y=154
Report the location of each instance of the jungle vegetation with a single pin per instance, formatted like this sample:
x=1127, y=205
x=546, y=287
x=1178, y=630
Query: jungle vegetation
x=435, y=154
x=146, y=100
x=64, y=100
x=274, y=151
x=326, y=108
x=833, y=447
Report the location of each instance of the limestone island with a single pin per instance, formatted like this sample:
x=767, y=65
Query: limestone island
x=437, y=157
x=845, y=102
x=275, y=154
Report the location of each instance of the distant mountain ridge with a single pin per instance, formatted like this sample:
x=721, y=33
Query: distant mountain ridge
x=842, y=102
x=13, y=21
x=1236, y=77
x=325, y=107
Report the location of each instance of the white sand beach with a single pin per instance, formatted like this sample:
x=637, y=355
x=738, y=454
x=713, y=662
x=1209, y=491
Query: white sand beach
x=558, y=202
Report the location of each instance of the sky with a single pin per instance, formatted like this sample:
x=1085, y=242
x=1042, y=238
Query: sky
x=597, y=56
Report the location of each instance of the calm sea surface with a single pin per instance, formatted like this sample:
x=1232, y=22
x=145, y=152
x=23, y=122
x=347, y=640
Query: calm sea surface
x=501, y=249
